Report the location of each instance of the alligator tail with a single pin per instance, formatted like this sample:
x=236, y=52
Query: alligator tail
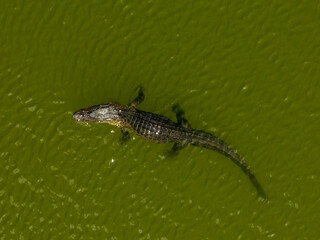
x=206, y=140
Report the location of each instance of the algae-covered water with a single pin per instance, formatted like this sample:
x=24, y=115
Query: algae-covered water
x=246, y=71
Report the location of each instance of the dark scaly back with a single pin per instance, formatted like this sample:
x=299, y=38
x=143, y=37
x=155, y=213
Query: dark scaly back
x=153, y=127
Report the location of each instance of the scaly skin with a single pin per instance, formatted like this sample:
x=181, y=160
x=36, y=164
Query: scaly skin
x=159, y=129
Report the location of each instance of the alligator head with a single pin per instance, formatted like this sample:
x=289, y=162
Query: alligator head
x=104, y=113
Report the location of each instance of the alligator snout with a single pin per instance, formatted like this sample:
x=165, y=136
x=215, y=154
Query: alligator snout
x=78, y=116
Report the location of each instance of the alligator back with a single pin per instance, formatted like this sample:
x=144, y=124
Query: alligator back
x=153, y=127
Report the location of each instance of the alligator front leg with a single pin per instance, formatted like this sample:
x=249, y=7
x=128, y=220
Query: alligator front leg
x=125, y=135
x=139, y=99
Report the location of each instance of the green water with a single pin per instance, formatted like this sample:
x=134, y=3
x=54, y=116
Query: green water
x=246, y=71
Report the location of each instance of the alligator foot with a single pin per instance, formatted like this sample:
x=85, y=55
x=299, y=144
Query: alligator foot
x=175, y=149
x=182, y=121
x=125, y=136
x=139, y=99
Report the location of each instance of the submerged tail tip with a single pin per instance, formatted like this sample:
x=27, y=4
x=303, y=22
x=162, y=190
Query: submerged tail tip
x=262, y=195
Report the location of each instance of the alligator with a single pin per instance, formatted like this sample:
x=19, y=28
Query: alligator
x=160, y=129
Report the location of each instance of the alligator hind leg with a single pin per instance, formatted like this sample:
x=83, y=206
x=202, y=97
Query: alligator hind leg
x=139, y=99
x=182, y=121
x=175, y=149
x=178, y=146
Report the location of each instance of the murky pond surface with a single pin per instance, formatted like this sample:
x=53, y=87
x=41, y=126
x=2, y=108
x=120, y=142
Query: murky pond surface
x=247, y=72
